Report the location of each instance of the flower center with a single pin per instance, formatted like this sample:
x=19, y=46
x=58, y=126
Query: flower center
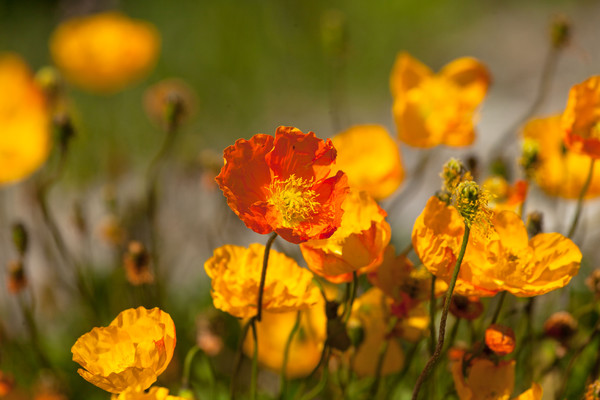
x=294, y=200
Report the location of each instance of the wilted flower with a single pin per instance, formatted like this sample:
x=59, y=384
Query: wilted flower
x=154, y=393
x=137, y=264
x=24, y=121
x=306, y=347
x=486, y=379
x=560, y=326
x=500, y=339
x=429, y=109
x=104, y=52
x=283, y=184
x=357, y=245
x=235, y=272
x=581, y=118
x=501, y=259
x=130, y=353
x=370, y=158
x=559, y=171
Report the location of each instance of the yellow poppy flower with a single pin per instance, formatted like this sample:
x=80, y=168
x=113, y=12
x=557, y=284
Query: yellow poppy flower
x=104, y=52
x=372, y=309
x=489, y=380
x=559, y=171
x=130, y=353
x=358, y=244
x=370, y=158
x=235, y=273
x=24, y=121
x=429, y=109
x=155, y=393
x=581, y=118
x=306, y=347
x=501, y=259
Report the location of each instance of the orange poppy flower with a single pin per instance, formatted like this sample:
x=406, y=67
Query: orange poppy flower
x=429, y=109
x=283, y=184
x=505, y=196
x=370, y=158
x=488, y=380
x=500, y=339
x=501, y=259
x=104, y=52
x=357, y=245
x=581, y=118
x=559, y=170
x=25, y=138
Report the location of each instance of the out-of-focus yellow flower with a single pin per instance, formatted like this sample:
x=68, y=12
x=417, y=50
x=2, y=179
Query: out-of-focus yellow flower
x=372, y=309
x=429, y=109
x=104, y=52
x=306, y=347
x=581, y=118
x=560, y=171
x=358, y=244
x=370, y=158
x=501, y=259
x=155, y=393
x=505, y=196
x=235, y=273
x=488, y=380
x=130, y=353
x=24, y=121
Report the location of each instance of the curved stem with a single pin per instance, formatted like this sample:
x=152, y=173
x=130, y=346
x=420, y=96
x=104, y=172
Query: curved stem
x=381, y=356
x=442, y=332
x=254, y=379
x=187, y=366
x=432, y=306
x=238, y=357
x=263, y=275
x=350, y=302
x=286, y=353
x=498, y=307
x=584, y=190
x=322, y=383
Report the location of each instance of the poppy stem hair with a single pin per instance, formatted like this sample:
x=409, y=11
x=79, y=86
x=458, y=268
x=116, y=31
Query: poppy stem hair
x=442, y=332
x=263, y=275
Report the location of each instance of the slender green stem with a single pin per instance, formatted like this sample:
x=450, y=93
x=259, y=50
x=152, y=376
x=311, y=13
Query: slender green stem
x=33, y=333
x=442, y=332
x=319, y=285
x=432, y=307
x=584, y=190
x=381, y=356
x=407, y=363
x=187, y=366
x=322, y=382
x=350, y=302
x=238, y=357
x=286, y=353
x=498, y=307
x=254, y=379
x=263, y=275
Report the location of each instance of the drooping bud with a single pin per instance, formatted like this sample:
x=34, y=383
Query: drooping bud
x=20, y=238
x=500, y=339
x=17, y=280
x=530, y=156
x=535, y=222
x=560, y=32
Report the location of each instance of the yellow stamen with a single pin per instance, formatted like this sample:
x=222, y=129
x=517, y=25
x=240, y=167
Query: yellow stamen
x=294, y=199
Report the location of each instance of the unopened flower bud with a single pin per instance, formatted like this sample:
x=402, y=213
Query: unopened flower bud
x=16, y=277
x=560, y=32
x=500, y=339
x=20, y=238
x=561, y=326
x=137, y=264
x=452, y=174
x=64, y=130
x=169, y=102
x=530, y=152
x=49, y=80
x=535, y=222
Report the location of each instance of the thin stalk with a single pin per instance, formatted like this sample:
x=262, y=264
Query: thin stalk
x=407, y=363
x=33, y=333
x=381, y=356
x=432, y=307
x=238, y=357
x=498, y=307
x=286, y=353
x=584, y=190
x=254, y=379
x=353, y=289
x=187, y=366
x=442, y=332
x=320, y=386
x=263, y=275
